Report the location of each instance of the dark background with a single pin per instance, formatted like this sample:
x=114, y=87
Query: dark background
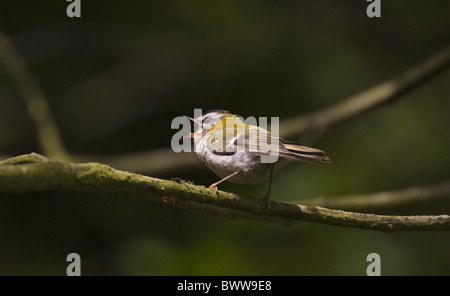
x=116, y=77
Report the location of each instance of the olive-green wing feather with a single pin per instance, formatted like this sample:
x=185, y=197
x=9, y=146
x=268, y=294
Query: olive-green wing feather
x=261, y=141
x=236, y=136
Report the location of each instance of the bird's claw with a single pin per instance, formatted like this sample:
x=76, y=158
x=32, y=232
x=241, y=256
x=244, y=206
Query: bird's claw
x=213, y=187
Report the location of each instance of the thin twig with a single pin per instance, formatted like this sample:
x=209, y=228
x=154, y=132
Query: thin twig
x=37, y=106
x=312, y=126
x=385, y=199
x=387, y=92
x=22, y=175
x=156, y=161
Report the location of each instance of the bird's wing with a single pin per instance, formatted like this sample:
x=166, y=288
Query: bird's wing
x=235, y=136
x=262, y=142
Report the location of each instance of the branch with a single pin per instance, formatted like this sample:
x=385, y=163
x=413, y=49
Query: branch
x=37, y=106
x=318, y=122
x=312, y=126
x=152, y=161
x=387, y=199
x=32, y=172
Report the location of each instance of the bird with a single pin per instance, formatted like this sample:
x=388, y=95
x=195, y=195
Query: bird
x=234, y=150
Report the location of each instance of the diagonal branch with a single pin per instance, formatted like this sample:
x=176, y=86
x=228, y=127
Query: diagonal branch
x=369, y=100
x=312, y=126
x=32, y=172
x=37, y=106
x=385, y=199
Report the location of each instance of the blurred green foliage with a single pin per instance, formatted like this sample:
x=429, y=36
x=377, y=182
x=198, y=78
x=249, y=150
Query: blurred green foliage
x=117, y=76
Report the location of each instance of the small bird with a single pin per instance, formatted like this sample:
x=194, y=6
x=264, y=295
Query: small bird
x=233, y=149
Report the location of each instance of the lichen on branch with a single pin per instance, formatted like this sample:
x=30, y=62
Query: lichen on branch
x=34, y=172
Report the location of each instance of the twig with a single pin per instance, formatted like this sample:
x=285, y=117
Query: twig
x=386, y=199
x=312, y=126
x=40, y=112
x=44, y=175
x=156, y=161
x=369, y=100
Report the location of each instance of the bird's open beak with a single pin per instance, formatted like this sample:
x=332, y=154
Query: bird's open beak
x=193, y=119
x=191, y=135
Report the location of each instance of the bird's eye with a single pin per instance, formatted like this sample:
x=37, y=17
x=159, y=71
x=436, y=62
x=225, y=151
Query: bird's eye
x=207, y=121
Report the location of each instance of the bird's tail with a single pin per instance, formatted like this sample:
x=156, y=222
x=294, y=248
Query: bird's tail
x=296, y=152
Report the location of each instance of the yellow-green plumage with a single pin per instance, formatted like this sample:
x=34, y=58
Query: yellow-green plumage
x=254, y=139
x=233, y=149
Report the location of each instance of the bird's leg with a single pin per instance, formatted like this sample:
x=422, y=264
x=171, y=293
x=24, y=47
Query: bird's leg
x=214, y=186
x=267, y=196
